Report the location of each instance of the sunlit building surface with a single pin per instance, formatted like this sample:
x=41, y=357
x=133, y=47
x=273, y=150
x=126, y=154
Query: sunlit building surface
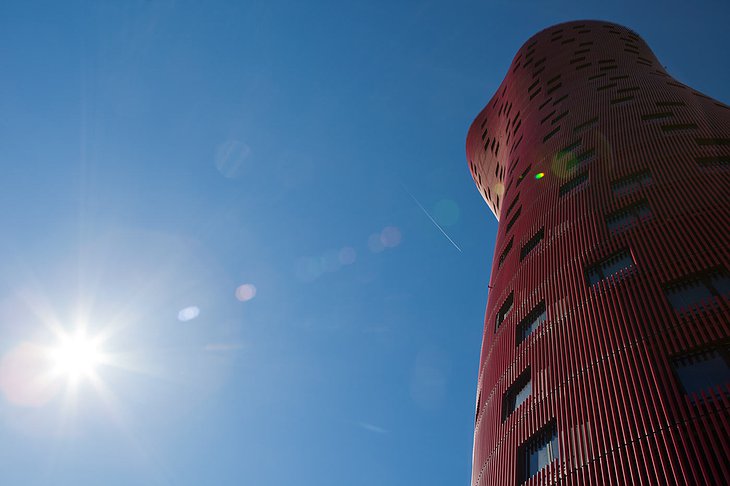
x=605, y=357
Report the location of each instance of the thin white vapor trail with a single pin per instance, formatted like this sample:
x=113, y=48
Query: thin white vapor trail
x=432, y=220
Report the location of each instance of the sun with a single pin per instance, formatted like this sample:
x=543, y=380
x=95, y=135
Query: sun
x=76, y=356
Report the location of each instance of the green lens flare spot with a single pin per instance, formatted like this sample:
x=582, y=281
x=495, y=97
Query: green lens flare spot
x=539, y=175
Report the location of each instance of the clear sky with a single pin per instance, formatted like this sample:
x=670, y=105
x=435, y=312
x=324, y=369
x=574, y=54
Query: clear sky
x=261, y=215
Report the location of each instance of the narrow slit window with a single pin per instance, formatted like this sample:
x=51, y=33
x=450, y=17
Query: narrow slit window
x=628, y=216
x=512, y=204
x=532, y=243
x=479, y=406
x=523, y=175
x=631, y=183
x=573, y=183
x=610, y=266
x=531, y=322
x=538, y=452
x=505, y=310
x=505, y=252
x=698, y=290
x=516, y=394
x=704, y=371
x=513, y=220
x=580, y=159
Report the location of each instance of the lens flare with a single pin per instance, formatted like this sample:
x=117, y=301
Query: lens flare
x=539, y=175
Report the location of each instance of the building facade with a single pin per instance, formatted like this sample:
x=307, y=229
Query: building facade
x=605, y=358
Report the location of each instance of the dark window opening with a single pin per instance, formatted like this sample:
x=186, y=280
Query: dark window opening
x=624, y=99
x=513, y=220
x=547, y=117
x=698, y=290
x=550, y=135
x=505, y=252
x=580, y=159
x=718, y=161
x=516, y=394
x=628, y=216
x=505, y=310
x=531, y=322
x=549, y=91
x=610, y=266
x=657, y=116
x=512, y=204
x=585, y=125
x=573, y=183
x=560, y=99
x=558, y=118
x=532, y=243
x=631, y=183
x=479, y=406
x=704, y=370
x=523, y=175
x=713, y=141
x=538, y=452
x=679, y=127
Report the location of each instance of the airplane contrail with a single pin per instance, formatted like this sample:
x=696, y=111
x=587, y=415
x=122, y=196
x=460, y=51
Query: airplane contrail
x=432, y=220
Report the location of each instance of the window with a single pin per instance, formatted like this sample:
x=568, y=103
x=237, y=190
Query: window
x=698, y=289
x=479, y=406
x=609, y=266
x=512, y=205
x=505, y=310
x=531, y=243
x=516, y=394
x=628, y=216
x=513, y=220
x=538, y=452
x=573, y=183
x=631, y=183
x=714, y=161
x=523, y=175
x=703, y=370
x=580, y=159
x=531, y=322
x=505, y=252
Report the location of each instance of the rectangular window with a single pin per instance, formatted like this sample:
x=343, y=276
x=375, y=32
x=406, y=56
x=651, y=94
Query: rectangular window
x=609, y=266
x=513, y=220
x=573, y=183
x=516, y=394
x=538, y=452
x=523, y=175
x=628, y=216
x=698, y=290
x=505, y=310
x=512, y=204
x=704, y=370
x=505, y=252
x=531, y=322
x=532, y=243
x=631, y=183
x=579, y=159
x=479, y=406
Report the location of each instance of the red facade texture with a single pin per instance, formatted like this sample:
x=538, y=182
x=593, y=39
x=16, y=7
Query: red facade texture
x=605, y=352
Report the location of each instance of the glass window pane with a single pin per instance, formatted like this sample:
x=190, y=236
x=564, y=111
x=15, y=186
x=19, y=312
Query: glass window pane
x=690, y=294
x=703, y=371
x=616, y=264
x=721, y=283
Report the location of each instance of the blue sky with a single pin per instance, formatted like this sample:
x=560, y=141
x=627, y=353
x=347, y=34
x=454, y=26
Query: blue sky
x=237, y=196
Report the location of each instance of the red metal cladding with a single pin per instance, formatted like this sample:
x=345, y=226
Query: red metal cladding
x=605, y=353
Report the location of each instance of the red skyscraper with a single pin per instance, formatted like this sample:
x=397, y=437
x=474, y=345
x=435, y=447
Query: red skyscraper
x=605, y=357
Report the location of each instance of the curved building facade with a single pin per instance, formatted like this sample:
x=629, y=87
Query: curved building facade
x=605, y=358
